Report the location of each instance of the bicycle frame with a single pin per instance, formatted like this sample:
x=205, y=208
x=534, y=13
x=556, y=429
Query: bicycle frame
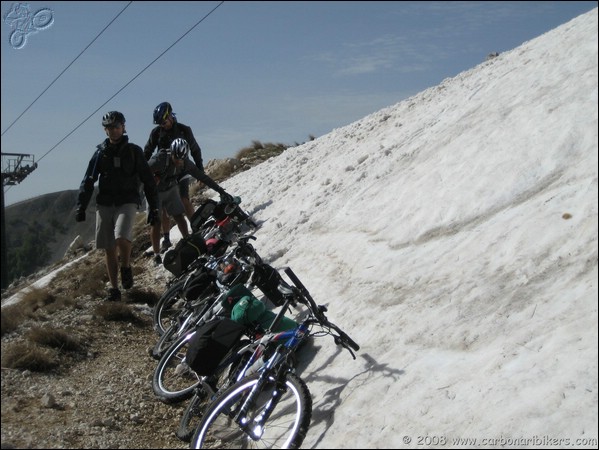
x=274, y=369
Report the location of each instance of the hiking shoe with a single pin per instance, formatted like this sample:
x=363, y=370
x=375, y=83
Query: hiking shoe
x=157, y=260
x=127, y=277
x=166, y=244
x=114, y=295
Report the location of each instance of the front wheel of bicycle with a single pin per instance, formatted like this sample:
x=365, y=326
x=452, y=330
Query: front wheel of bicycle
x=223, y=377
x=286, y=427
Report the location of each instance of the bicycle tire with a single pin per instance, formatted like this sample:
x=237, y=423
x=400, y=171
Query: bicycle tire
x=192, y=415
x=164, y=342
x=42, y=19
x=173, y=380
x=201, y=399
x=172, y=302
x=286, y=427
x=167, y=306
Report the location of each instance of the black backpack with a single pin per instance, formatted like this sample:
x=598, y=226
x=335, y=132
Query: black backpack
x=211, y=343
x=267, y=279
x=187, y=250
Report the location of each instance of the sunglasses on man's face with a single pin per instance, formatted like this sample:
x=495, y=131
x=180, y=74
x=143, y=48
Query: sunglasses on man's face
x=113, y=126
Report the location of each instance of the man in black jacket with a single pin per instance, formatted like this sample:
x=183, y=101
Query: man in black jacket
x=161, y=137
x=119, y=167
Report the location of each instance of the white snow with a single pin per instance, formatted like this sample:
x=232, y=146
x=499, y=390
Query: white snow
x=434, y=230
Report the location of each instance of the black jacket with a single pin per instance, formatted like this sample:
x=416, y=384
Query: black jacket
x=161, y=139
x=120, y=169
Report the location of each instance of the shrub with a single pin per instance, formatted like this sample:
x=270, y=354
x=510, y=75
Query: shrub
x=51, y=337
x=12, y=316
x=142, y=296
x=116, y=312
x=35, y=299
x=244, y=152
x=28, y=357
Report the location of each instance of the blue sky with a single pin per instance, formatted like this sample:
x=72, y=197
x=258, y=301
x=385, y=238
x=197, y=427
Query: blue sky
x=267, y=71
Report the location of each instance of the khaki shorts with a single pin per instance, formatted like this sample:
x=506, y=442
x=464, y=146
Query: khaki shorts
x=171, y=201
x=114, y=222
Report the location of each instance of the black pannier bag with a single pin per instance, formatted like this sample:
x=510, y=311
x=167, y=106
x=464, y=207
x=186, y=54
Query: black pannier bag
x=201, y=214
x=267, y=279
x=211, y=343
x=176, y=260
x=201, y=285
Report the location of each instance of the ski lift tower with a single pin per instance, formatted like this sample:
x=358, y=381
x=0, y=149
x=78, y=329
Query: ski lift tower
x=15, y=168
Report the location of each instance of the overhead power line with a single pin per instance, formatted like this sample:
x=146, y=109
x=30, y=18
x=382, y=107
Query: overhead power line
x=67, y=68
x=133, y=79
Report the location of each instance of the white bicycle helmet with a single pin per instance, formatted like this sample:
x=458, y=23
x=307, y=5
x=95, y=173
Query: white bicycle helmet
x=180, y=148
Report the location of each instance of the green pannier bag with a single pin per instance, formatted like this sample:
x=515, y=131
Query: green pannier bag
x=249, y=311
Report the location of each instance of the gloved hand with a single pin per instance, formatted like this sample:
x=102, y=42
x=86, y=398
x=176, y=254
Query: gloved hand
x=80, y=215
x=226, y=198
x=153, y=217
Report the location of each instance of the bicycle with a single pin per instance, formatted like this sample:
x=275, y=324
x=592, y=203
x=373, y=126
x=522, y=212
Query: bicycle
x=240, y=265
x=243, y=360
x=273, y=408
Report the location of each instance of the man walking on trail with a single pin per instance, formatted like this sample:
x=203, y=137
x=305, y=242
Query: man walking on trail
x=119, y=167
x=161, y=137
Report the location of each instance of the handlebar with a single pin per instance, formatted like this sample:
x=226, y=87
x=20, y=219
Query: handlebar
x=342, y=339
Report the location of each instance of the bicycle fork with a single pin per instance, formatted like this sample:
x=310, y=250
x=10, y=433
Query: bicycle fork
x=254, y=428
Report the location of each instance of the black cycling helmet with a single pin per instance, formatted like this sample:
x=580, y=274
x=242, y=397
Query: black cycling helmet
x=162, y=112
x=180, y=148
x=113, y=117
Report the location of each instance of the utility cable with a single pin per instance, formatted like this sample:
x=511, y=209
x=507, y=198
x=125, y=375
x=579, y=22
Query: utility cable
x=67, y=68
x=133, y=79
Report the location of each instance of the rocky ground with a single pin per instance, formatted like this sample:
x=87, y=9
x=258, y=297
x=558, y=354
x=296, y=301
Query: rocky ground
x=102, y=397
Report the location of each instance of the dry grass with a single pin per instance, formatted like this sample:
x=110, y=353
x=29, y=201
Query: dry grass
x=12, y=316
x=140, y=296
x=26, y=356
x=35, y=299
x=116, y=312
x=261, y=151
x=141, y=234
x=35, y=304
x=88, y=277
x=54, y=338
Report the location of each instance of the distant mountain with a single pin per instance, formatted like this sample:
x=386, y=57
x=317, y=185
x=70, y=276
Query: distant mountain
x=40, y=230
